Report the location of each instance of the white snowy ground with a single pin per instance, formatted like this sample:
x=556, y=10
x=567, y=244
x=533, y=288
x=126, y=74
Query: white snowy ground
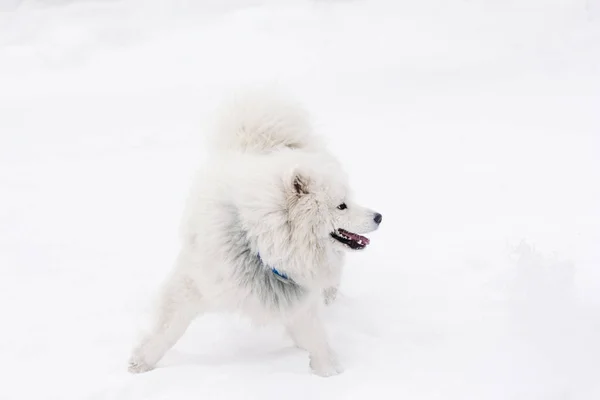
x=473, y=126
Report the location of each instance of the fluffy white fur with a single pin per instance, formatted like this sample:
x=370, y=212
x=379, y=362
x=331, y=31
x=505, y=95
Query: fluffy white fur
x=270, y=198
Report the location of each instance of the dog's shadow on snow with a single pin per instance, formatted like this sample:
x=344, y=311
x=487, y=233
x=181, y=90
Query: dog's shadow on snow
x=243, y=344
x=232, y=343
x=241, y=355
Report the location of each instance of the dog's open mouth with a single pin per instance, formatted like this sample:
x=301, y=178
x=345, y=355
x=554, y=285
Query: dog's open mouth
x=352, y=240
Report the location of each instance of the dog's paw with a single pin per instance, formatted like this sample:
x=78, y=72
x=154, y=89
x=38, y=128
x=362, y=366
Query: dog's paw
x=137, y=366
x=326, y=368
x=329, y=295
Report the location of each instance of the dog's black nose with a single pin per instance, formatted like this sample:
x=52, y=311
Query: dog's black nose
x=377, y=218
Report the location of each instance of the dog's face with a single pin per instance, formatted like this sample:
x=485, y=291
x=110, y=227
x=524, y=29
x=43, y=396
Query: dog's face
x=350, y=221
x=320, y=207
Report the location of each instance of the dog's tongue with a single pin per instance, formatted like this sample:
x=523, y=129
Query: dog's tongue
x=356, y=237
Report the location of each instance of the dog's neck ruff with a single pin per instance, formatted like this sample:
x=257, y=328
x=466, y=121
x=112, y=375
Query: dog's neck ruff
x=278, y=274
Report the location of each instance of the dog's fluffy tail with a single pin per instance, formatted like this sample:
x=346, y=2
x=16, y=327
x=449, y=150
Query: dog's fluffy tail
x=262, y=121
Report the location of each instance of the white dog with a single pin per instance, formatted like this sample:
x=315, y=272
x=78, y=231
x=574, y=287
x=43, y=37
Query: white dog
x=265, y=232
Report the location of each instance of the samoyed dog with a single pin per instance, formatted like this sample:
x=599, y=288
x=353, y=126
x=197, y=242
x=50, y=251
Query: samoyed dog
x=265, y=232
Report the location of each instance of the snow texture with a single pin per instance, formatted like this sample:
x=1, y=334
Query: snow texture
x=473, y=126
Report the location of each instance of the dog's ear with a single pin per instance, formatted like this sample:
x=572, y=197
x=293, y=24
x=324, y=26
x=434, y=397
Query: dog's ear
x=301, y=184
x=297, y=182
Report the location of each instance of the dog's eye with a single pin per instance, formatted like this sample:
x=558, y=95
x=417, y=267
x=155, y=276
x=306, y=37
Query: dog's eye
x=342, y=206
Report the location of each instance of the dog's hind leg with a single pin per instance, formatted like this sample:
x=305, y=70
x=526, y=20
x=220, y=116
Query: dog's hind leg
x=178, y=305
x=308, y=332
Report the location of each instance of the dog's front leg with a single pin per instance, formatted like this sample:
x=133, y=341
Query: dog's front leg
x=308, y=332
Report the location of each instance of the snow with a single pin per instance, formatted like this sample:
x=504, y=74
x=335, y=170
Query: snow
x=473, y=126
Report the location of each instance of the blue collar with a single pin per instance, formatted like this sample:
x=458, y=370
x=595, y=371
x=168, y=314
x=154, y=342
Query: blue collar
x=278, y=274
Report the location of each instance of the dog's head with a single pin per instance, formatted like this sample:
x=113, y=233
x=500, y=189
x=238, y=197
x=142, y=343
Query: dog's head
x=320, y=208
x=296, y=210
